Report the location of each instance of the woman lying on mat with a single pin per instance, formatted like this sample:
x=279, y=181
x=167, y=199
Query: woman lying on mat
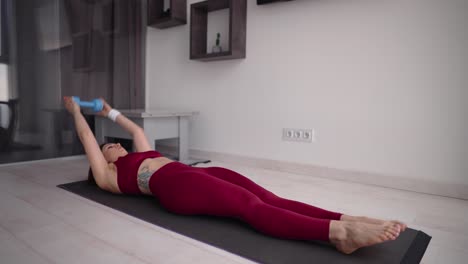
x=183, y=189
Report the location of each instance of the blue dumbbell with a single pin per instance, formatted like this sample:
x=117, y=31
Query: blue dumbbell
x=95, y=104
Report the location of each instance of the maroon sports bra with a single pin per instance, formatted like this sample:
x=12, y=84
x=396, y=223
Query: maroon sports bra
x=127, y=170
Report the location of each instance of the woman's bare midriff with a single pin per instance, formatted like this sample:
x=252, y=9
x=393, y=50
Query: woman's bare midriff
x=149, y=164
x=152, y=164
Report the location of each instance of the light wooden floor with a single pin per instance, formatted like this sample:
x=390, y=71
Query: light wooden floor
x=40, y=223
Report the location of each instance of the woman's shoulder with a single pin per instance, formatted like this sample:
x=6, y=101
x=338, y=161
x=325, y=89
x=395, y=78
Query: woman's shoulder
x=111, y=184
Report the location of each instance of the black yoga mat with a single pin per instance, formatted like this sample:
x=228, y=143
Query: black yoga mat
x=239, y=238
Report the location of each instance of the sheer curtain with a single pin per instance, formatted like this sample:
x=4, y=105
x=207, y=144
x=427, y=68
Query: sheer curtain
x=107, y=52
x=86, y=48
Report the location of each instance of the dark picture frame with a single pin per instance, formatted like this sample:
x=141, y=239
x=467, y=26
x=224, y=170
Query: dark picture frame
x=4, y=56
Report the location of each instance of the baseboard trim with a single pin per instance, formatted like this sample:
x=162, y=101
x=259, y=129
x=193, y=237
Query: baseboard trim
x=458, y=191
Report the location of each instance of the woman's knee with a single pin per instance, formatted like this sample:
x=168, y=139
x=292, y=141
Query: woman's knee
x=252, y=205
x=268, y=197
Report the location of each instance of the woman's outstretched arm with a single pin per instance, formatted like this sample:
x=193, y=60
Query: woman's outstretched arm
x=139, y=138
x=95, y=157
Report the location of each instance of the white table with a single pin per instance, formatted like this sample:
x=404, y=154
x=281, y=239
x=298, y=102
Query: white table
x=157, y=124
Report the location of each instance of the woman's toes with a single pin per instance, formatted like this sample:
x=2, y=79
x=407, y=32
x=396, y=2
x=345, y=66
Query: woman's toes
x=394, y=230
x=401, y=225
x=389, y=234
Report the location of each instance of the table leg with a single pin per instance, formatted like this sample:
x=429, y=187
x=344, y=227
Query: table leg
x=184, y=143
x=183, y=138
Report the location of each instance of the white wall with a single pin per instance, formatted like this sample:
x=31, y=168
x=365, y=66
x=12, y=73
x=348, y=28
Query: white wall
x=4, y=88
x=383, y=82
x=4, y=95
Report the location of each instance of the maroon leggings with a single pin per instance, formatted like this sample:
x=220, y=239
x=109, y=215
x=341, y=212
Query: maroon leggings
x=218, y=191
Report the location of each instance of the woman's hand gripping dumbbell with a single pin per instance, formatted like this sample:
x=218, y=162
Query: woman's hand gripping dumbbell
x=96, y=104
x=99, y=106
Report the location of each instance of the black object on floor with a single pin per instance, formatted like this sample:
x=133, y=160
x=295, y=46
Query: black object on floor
x=239, y=238
x=196, y=162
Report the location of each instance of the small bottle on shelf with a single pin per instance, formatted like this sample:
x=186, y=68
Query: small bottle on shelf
x=217, y=48
x=166, y=13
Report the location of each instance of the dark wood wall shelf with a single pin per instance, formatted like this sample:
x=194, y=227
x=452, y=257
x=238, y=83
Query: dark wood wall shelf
x=199, y=28
x=264, y=2
x=159, y=18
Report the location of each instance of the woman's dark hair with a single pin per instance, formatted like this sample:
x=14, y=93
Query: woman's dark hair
x=91, y=179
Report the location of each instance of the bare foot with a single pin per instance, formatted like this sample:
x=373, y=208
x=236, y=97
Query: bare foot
x=369, y=220
x=348, y=236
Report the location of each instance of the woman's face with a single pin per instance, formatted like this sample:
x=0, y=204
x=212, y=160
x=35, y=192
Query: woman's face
x=112, y=152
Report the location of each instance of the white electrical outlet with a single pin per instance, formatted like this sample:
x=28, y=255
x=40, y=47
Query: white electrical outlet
x=309, y=135
x=299, y=135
